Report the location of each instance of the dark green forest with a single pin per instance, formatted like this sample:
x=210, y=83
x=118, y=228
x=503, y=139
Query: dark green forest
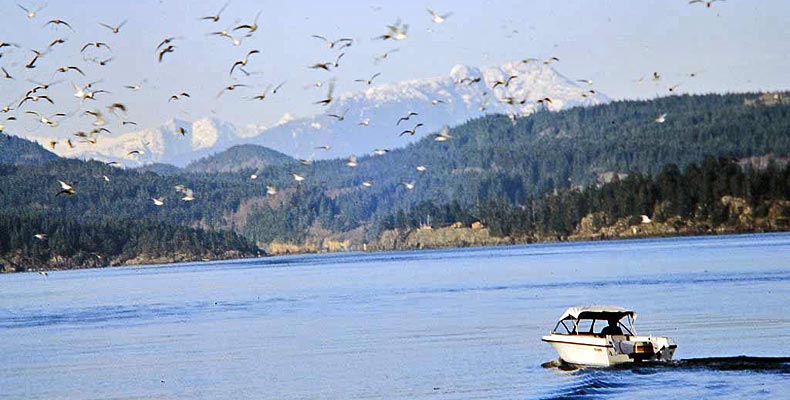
x=693, y=193
x=542, y=173
x=71, y=244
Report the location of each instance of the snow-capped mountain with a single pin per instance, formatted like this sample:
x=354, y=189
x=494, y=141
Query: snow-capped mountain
x=164, y=143
x=369, y=118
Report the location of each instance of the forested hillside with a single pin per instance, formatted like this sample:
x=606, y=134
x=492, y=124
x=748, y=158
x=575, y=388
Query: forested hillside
x=14, y=150
x=236, y=158
x=717, y=193
x=488, y=165
x=491, y=158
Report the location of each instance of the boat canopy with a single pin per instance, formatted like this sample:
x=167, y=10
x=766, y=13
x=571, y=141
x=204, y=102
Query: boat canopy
x=597, y=312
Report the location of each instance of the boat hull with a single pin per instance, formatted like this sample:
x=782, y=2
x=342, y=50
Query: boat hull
x=610, y=350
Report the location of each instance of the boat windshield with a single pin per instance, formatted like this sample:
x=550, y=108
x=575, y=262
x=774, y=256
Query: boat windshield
x=596, y=326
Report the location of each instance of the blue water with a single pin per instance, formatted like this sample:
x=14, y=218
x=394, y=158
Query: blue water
x=449, y=324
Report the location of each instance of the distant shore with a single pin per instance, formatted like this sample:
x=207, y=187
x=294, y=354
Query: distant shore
x=428, y=239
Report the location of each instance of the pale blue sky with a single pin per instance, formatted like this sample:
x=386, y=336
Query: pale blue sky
x=737, y=45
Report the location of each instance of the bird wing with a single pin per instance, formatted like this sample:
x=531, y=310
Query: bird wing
x=164, y=42
x=237, y=63
x=223, y=8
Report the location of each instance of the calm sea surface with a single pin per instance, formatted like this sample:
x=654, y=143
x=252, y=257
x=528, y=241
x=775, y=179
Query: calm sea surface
x=450, y=324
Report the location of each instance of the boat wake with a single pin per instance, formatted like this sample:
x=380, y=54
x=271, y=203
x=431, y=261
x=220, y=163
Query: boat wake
x=740, y=363
x=596, y=382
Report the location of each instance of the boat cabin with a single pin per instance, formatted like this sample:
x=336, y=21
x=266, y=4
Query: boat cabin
x=597, y=321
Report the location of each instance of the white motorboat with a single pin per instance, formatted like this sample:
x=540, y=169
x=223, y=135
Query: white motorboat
x=603, y=336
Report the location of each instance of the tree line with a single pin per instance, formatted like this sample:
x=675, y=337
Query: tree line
x=692, y=193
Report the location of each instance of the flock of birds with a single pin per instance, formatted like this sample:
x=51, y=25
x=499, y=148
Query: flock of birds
x=100, y=53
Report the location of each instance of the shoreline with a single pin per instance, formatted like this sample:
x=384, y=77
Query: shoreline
x=375, y=251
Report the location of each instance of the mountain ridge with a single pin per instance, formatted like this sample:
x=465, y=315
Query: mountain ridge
x=239, y=157
x=20, y=151
x=368, y=116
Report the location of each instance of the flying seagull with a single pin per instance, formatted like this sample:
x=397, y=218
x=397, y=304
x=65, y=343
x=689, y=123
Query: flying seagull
x=706, y=2
x=178, y=96
x=263, y=95
x=215, y=17
x=97, y=45
x=443, y=135
x=243, y=62
x=384, y=56
x=32, y=63
x=47, y=121
x=250, y=27
x=437, y=18
x=169, y=49
x=406, y=118
x=189, y=195
x=166, y=41
x=65, y=188
x=551, y=60
x=368, y=81
x=396, y=32
x=329, y=98
x=230, y=88
x=57, y=22
x=506, y=82
x=68, y=68
x=31, y=13
x=236, y=42
x=338, y=117
x=412, y=131
x=114, y=29
x=340, y=43
x=56, y=42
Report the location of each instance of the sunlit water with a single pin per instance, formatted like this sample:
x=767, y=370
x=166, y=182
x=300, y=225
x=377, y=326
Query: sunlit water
x=454, y=324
